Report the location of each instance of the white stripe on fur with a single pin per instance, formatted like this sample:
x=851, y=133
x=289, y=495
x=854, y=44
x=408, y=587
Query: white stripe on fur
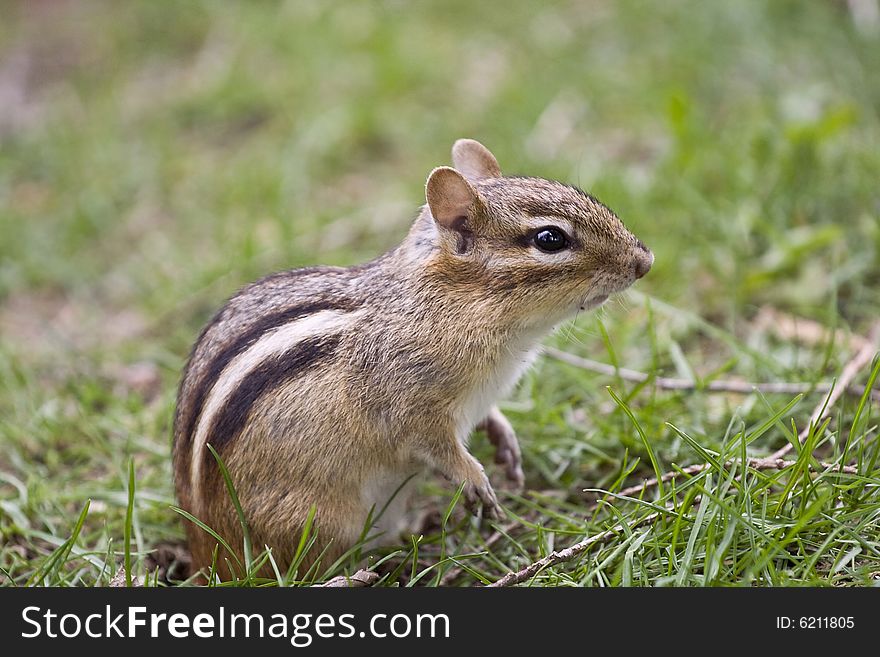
x=271, y=344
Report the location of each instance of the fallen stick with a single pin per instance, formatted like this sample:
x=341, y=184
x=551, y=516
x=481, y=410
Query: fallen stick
x=716, y=385
x=567, y=554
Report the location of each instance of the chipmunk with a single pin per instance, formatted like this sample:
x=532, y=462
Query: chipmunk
x=332, y=386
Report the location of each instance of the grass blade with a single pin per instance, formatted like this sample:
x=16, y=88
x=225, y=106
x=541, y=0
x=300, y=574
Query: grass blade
x=129, y=517
x=238, y=510
x=654, y=463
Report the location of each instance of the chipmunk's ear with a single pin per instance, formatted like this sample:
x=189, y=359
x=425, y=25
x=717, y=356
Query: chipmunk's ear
x=474, y=160
x=452, y=199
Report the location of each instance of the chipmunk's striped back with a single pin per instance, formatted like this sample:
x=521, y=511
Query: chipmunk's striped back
x=270, y=332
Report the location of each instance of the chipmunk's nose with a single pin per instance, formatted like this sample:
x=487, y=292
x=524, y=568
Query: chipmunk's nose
x=643, y=260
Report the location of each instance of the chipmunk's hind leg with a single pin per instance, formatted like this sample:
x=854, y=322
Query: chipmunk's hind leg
x=387, y=499
x=507, y=451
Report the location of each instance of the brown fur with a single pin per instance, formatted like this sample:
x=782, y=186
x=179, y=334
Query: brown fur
x=430, y=336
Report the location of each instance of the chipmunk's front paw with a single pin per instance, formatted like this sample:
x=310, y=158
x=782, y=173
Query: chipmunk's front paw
x=507, y=452
x=480, y=492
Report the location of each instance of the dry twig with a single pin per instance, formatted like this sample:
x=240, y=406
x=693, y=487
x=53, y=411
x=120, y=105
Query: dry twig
x=567, y=554
x=717, y=385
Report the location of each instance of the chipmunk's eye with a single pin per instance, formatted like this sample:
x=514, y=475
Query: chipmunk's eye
x=550, y=239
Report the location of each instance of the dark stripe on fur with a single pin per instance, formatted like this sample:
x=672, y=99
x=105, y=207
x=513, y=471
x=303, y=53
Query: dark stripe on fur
x=240, y=344
x=265, y=377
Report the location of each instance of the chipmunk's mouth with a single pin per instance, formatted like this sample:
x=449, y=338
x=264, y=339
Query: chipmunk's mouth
x=594, y=302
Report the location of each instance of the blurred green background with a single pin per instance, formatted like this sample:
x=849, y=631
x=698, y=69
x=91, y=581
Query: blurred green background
x=155, y=156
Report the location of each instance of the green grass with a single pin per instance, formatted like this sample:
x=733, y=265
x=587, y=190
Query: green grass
x=156, y=156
